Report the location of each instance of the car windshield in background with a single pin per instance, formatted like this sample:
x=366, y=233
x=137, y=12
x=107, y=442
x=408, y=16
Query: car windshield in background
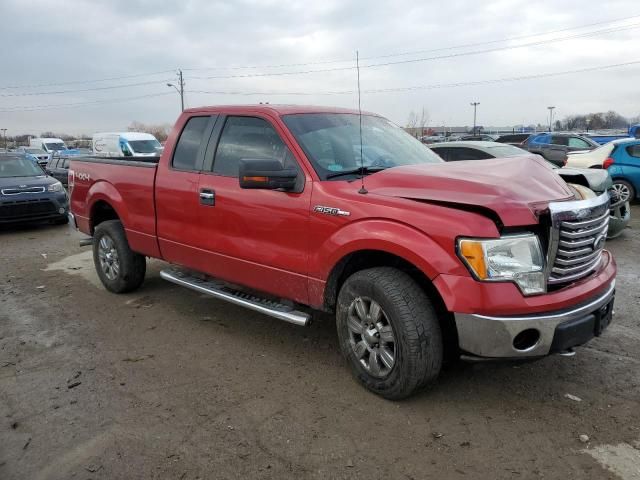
x=145, y=146
x=506, y=151
x=55, y=146
x=331, y=141
x=19, y=167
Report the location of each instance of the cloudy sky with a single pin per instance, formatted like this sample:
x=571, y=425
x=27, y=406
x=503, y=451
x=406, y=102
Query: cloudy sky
x=80, y=66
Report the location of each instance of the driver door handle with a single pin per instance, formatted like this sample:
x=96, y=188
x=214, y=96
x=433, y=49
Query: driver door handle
x=207, y=197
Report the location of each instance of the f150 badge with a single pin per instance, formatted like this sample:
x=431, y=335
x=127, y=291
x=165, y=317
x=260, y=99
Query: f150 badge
x=336, y=212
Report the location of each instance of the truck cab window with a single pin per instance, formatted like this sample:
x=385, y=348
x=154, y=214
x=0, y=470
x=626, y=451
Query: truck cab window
x=249, y=138
x=186, y=152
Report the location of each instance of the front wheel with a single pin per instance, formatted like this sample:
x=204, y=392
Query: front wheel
x=120, y=269
x=388, y=332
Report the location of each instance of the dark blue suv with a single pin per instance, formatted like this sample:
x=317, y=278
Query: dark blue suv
x=28, y=194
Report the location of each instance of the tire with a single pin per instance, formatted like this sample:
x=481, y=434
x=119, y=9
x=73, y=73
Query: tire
x=625, y=190
x=120, y=269
x=405, y=316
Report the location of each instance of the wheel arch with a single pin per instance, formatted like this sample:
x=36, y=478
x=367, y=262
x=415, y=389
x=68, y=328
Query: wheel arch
x=363, y=259
x=106, y=203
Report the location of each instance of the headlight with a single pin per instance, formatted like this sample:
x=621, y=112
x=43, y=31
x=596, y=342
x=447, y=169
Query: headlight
x=516, y=258
x=55, y=187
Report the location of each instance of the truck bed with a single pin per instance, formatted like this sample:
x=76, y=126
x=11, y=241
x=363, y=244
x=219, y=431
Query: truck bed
x=127, y=185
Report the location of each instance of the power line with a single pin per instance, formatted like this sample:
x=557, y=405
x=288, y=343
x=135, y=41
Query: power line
x=78, y=82
x=343, y=92
x=424, y=87
x=454, y=47
x=30, y=108
x=415, y=52
x=60, y=92
x=424, y=59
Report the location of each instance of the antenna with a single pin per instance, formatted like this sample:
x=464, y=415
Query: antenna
x=362, y=189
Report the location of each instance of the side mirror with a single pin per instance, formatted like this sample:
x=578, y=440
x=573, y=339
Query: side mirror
x=266, y=174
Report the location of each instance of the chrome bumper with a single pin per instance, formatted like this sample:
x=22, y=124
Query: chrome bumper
x=493, y=337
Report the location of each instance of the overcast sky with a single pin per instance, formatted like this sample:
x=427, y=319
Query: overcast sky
x=56, y=42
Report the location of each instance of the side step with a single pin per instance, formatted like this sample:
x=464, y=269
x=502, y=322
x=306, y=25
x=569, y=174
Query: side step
x=219, y=289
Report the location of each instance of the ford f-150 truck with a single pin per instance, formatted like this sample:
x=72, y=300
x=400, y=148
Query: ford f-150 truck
x=286, y=209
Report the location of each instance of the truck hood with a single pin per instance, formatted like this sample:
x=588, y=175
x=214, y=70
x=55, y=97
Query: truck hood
x=517, y=189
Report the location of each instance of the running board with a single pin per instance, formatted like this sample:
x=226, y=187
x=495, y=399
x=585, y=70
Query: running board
x=219, y=289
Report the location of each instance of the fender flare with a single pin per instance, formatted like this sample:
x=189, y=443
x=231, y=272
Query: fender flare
x=106, y=192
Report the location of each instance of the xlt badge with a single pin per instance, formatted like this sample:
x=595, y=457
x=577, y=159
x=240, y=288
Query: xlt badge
x=336, y=212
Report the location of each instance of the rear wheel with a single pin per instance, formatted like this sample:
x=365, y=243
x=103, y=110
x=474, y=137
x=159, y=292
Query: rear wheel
x=388, y=332
x=119, y=268
x=624, y=190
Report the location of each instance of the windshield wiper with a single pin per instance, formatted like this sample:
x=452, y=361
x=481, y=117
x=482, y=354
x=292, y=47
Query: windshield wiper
x=355, y=171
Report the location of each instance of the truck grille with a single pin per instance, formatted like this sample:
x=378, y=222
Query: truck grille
x=578, y=234
x=26, y=209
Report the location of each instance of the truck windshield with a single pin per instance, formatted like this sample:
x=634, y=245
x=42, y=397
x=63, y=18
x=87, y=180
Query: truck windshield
x=331, y=141
x=56, y=147
x=145, y=146
x=19, y=167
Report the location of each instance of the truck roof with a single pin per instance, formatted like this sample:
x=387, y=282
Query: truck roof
x=277, y=109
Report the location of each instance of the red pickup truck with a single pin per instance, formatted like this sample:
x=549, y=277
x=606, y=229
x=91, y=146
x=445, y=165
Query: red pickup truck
x=280, y=208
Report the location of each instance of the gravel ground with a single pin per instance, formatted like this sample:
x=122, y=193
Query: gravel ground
x=166, y=383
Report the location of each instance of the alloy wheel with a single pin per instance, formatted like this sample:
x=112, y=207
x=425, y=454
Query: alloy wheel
x=371, y=337
x=108, y=256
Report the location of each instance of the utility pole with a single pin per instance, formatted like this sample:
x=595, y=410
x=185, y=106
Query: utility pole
x=4, y=134
x=551, y=118
x=475, y=107
x=179, y=88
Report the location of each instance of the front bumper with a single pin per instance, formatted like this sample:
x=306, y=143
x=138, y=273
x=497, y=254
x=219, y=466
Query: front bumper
x=33, y=207
x=494, y=336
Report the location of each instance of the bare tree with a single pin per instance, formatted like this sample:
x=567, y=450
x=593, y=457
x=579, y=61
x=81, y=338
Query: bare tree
x=423, y=121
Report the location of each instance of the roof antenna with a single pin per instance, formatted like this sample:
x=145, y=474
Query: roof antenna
x=362, y=189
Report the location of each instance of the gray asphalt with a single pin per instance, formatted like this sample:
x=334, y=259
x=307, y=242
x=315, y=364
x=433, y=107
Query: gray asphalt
x=166, y=383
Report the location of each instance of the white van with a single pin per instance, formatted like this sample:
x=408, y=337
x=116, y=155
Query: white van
x=126, y=144
x=49, y=145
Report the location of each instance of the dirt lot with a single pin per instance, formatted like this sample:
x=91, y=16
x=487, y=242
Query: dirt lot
x=166, y=383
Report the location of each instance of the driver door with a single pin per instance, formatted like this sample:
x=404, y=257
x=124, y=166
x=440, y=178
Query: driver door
x=258, y=238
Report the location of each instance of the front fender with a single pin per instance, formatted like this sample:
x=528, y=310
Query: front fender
x=388, y=236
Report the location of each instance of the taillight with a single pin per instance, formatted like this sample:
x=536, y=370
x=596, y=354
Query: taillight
x=607, y=163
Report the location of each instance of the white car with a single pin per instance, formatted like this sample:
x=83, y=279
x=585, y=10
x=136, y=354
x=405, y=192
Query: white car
x=592, y=158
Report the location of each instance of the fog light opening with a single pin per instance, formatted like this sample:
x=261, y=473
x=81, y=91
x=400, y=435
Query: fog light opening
x=526, y=339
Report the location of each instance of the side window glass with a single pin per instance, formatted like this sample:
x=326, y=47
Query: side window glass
x=442, y=153
x=185, y=155
x=634, y=151
x=249, y=138
x=577, y=142
x=557, y=140
x=66, y=163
